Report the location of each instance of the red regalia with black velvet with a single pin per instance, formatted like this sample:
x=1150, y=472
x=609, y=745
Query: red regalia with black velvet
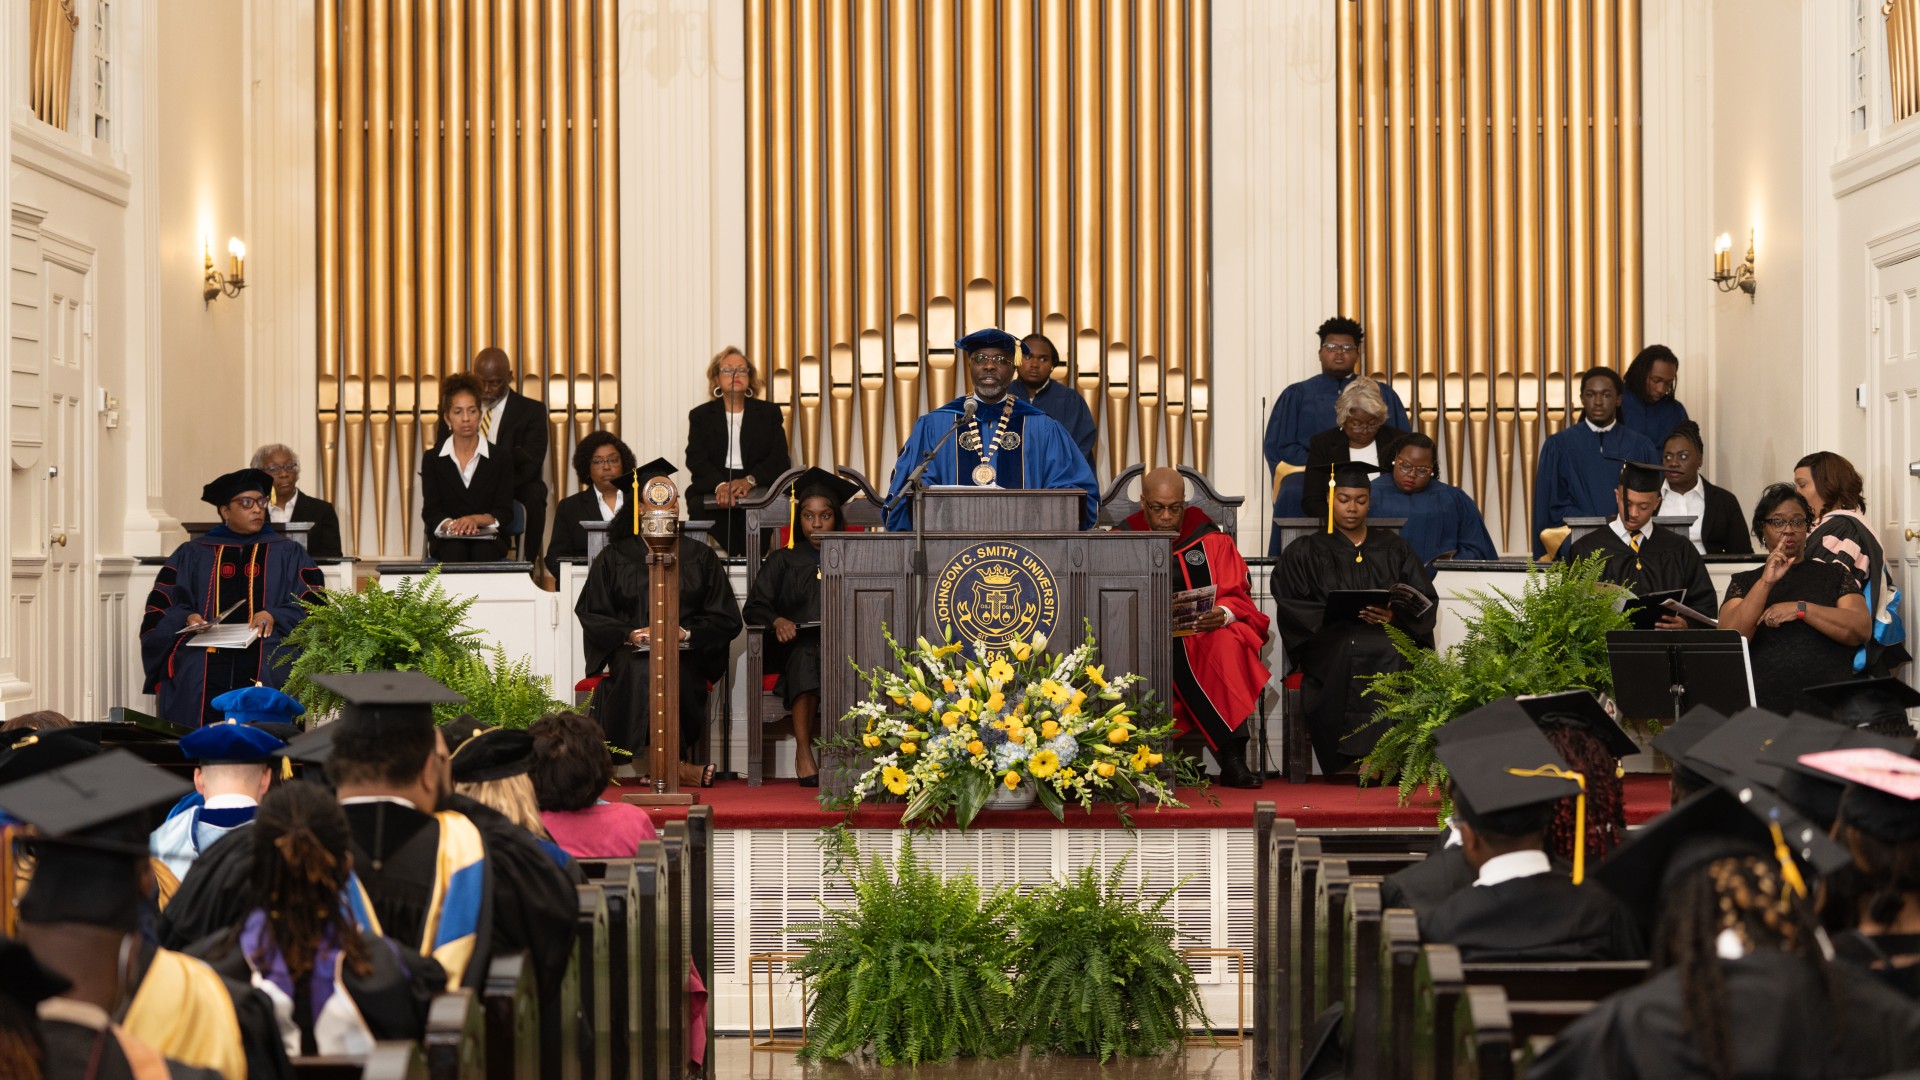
x=205, y=576
x=1217, y=674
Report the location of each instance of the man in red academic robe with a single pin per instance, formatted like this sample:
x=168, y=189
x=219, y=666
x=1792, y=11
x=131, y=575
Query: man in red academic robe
x=1217, y=674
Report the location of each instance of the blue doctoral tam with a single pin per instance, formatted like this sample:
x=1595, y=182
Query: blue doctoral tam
x=229, y=744
x=251, y=704
x=990, y=338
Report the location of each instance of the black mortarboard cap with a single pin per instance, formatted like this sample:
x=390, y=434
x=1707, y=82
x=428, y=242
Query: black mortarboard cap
x=279, y=729
x=989, y=338
x=23, y=980
x=1858, y=702
x=1716, y=823
x=312, y=747
x=642, y=473
x=1483, y=770
x=225, y=489
x=94, y=803
x=1579, y=708
x=1639, y=475
x=493, y=755
x=1883, y=790
x=1734, y=747
x=1695, y=724
x=1501, y=716
x=459, y=729
x=817, y=481
x=34, y=752
x=1812, y=791
x=1354, y=474
x=388, y=695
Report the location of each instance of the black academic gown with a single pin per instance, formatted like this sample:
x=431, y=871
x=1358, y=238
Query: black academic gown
x=569, y=539
x=1781, y=1026
x=1889, y=957
x=392, y=996
x=1665, y=561
x=1430, y=882
x=78, y=1052
x=613, y=603
x=1543, y=917
x=1337, y=660
x=788, y=587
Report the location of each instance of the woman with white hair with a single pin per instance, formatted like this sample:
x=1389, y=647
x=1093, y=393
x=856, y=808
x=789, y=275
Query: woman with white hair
x=1360, y=433
x=288, y=503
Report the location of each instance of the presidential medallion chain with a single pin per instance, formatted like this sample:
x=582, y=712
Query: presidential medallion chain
x=988, y=449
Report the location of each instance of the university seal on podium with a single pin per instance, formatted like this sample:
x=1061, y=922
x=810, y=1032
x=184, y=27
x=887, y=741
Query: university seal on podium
x=995, y=594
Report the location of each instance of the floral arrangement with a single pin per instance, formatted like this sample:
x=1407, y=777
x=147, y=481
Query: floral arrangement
x=946, y=731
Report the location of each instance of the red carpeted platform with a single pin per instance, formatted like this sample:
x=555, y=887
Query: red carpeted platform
x=782, y=804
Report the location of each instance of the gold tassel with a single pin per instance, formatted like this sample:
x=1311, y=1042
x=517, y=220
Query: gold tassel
x=1329, y=500
x=793, y=513
x=1579, y=812
x=636, y=504
x=1789, y=870
x=286, y=768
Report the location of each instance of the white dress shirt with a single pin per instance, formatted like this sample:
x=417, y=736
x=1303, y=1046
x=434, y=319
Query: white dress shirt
x=607, y=512
x=1598, y=430
x=473, y=463
x=1513, y=866
x=280, y=515
x=1369, y=453
x=1693, y=502
x=1626, y=538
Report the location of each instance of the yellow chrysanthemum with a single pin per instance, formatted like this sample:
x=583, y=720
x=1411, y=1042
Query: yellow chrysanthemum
x=976, y=748
x=1012, y=780
x=1097, y=673
x=1049, y=729
x=1104, y=768
x=1043, y=764
x=919, y=702
x=1118, y=735
x=909, y=748
x=1021, y=650
x=1000, y=671
x=1140, y=757
x=895, y=779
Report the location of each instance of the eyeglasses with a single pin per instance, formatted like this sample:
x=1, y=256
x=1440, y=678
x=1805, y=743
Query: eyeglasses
x=277, y=469
x=1360, y=420
x=599, y=461
x=1164, y=508
x=1782, y=523
x=735, y=372
x=1339, y=348
x=248, y=502
x=1409, y=470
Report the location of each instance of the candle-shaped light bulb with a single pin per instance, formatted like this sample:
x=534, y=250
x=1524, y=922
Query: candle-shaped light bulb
x=1722, y=257
x=237, y=252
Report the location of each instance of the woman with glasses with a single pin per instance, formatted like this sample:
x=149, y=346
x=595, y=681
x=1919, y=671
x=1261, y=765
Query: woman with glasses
x=599, y=461
x=1719, y=527
x=734, y=443
x=289, y=503
x=1843, y=536
x=466, y=491
x=1801, y=618
x=1360, y=432
x=240, y=572
x=1442, y=520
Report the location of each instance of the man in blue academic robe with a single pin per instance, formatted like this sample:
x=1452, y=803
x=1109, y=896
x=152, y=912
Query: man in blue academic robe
x=1038, y=388
x=240, y=572
x=1648, y=405
x=1580, y=467
x=1305, y=409
x=1007, y=444
x=1442, y=520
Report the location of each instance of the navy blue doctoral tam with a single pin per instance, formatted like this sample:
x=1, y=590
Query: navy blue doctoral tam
x=252, y=704
x=990, y=338
x=229, y=744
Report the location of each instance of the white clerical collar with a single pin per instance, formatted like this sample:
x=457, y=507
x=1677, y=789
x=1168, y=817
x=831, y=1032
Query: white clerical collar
x=229, y=802
x=362, y=800
x=1513, y=866
x=446, y=448
x=1626, y=537
x=1602, y=430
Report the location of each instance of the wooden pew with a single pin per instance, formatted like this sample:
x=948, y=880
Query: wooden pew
x=616, y=879
x=1438, y=986
x=1399, y=961
x=700, y=918
x=1362, y=963
x=512, y=1004
x=591, y=1029
x=1329, y=920
x=652, y=967
x=1266, y=912
x=1588, y=980
x=679, y=952
x=1537, y=1000
x=1316, y=928
x=1483, y=1034
x=456, y=1039
x=559, y=1026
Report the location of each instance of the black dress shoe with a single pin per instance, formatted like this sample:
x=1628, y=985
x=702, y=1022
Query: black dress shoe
x=809, y=781
x=1235, y=774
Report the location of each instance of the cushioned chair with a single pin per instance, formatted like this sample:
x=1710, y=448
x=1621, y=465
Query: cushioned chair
x=769, y=512
x=1122, y=499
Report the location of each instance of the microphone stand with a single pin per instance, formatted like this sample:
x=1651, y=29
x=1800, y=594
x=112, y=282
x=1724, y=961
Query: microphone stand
x=915, y=489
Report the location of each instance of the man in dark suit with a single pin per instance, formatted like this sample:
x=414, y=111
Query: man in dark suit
x=517, y=424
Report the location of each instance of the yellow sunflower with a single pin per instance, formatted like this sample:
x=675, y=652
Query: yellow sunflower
x=895, y=779
x=1043, y=764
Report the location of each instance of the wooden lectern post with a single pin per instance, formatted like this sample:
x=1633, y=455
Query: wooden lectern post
x=660, y=531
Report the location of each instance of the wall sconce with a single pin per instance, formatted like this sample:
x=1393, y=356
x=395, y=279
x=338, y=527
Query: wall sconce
x=231, y=282
x=1728, y=276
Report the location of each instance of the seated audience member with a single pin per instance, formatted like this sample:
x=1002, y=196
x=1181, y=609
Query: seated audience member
x=129, y=1004
x=235, y=766
x=1217, y=674
x=599, y=461
x=1442, y=521
x=1740, y=988
x=289, y=504
x=1842, y=535
x=1802, y=619
x=734, y=443
x=492, y=768
x=24, y=984
x=1878, y=705
x=241, y=572
x=1719, y=527
x=42, y=720
x=1677, y=741
x=466, y=486
x=1038, y=388
x=1879, y=821
x=614, y=613
x=1337, y=657
x=1359, y=434
x=1815, y=794
x=1306, y=408
x=1647, y=404
x=572, y=768
x=1506, y=787
x=785, y=601
x=415, y=846
x=336, y=986
x=1579, y=467
x=1642, y=557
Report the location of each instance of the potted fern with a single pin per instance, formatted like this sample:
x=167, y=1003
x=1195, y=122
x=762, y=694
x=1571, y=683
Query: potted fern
x=1551, y=637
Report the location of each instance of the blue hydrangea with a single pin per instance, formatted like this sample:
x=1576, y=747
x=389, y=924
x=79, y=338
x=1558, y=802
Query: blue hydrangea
x=992, y=736
x=1065, y=746
x=1008, y=754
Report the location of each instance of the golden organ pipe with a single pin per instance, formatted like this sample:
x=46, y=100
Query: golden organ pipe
x=1453, y=246
x=1605, y=284
x=1479, y=248
x=809, y=410
x=1632, y=303
x=354, y=268
x=482, y=270
x=780, y=58
x=427, y=219
x=327, y=199
x=1499, y=405
x=1374, y=146
x=1553, y=194
x=904, y=203
x=1352, y=183
x=406, y=279
x=1089, y=193
x=840, y=228
x=1056, y=176
x=1200, y=226
x=809, y=256
x=1528, y=259
x=979, y=163
x=942, y=204
x=869, y=117
x=532, y=267
x=506, y=160
x=562, y=337
x=1145, y=338
x=1174, y=152
x=1579, y=205
x=1424, y=349
x=1120, y=252
x=759, y=333
x=581, y=168
x=1017, y=173
x=458, y=345
x=606, y=58
x=1399, y=350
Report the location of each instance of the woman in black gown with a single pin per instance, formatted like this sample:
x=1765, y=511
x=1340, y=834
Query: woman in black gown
x=1337, y=656
x=466, y=490
x=735, y=443
x=614, y=615
x=785, y=600
x=1802, y=618
x=599, y=461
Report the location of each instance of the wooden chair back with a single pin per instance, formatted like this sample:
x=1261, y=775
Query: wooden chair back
x=396, y=1061
x=1122, y=499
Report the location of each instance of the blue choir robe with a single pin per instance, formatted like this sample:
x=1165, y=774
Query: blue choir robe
x=1441, y=518
x=1655, y=421
x=1068, y=409
x=1576, y=477
x=1045, y=460
x=1305, y=409
x=185, y=835
x=1290, y=501
x=205, y=576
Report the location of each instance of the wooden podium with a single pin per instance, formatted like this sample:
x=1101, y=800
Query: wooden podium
x=994, y=581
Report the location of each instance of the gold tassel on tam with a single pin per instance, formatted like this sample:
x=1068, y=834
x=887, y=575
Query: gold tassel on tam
x=1579, y=812
x=1789, y=870
x=793, y=514
x=636, y=504
x=1329, y=500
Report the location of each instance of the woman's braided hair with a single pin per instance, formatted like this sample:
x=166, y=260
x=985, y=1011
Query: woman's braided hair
x=300, y=858
x=1606, y=801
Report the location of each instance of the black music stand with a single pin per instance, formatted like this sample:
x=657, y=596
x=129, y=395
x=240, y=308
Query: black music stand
x=1663, y=673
